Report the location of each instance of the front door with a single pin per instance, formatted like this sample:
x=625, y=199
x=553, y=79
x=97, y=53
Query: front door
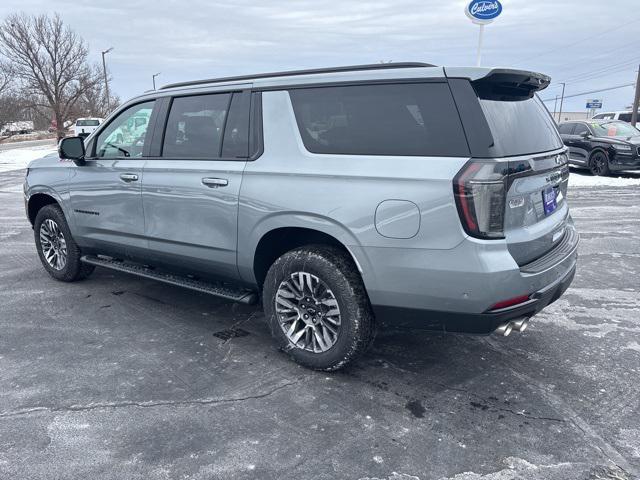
x=190, y=189
x=105, y=192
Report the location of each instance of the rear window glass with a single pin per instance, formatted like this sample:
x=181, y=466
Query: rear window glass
x=418, y=119
x=565, y=128
x=520, y=127
x=88, y=123
x=195, y=125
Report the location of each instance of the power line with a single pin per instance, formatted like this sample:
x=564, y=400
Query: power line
x=617, y=27
x=592, y=91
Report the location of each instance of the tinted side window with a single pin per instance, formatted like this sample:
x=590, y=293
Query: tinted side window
x=565, y=128
x=126, y=134
x=580, y=129
x=625, y=117
x=195, y=126
x=236, y=132
x=418, y=119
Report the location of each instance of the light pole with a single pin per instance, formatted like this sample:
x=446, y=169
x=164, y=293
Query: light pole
x=561, y=101
x=106, y=80
x=154, y=79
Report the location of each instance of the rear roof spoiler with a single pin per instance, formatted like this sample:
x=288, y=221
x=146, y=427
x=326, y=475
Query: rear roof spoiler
x=502, y=83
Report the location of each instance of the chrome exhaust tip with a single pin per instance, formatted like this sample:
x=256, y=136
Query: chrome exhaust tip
x=520, y=325
x=504, y=329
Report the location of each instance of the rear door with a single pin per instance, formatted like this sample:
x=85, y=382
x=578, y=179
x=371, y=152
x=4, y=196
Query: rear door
x=525, y=136
x=192, y=181
x=579, y=145
x=506, y=123
x=105, y=192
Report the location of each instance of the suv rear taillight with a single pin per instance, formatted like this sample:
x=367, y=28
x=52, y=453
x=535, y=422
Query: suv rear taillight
x=480, y=192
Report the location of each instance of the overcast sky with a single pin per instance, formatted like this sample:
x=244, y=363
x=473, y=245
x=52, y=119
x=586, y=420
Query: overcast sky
x=590, y=44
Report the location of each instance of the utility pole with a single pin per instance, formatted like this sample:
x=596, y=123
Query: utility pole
x=561, y=100
x=106, y=80
x=154, y=79
x=555, y=104
x=636, y=101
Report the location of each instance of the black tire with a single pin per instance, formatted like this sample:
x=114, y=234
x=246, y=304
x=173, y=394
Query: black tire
x=338, y=272
x=73, y=268
x=599, y=163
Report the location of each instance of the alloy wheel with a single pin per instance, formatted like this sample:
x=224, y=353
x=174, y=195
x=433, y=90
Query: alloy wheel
x=53, y=244
x=598, y=164
x=308, y=312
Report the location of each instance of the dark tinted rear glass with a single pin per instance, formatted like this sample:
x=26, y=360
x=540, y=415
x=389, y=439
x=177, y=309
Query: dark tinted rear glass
x=520, y=127
x=236, y=131
x=195, y=126
x=565, y=128
x=418, y=119
x=625, y=117
x=88, y=123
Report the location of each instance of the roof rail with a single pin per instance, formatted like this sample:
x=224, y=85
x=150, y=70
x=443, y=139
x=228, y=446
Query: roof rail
x=349, y=68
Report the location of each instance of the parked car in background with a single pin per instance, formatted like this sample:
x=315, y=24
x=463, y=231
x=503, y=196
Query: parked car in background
x=624, y=115
x=17, y=128
x=83, y=127
x=602, y=146
x=345, y=198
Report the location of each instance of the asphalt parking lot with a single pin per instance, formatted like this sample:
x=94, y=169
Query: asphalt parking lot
x=122, y=378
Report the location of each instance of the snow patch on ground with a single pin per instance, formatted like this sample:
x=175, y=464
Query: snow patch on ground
x=586, y=180
x=18, y=158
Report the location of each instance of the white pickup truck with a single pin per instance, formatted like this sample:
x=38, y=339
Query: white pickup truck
x=86, y=126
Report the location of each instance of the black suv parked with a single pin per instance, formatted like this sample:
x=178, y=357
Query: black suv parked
x=602, y=146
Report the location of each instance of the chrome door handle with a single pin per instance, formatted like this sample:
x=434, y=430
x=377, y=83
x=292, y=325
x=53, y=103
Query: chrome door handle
x=215, y=182
x=129, y=177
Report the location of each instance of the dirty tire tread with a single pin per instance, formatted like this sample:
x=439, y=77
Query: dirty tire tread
x=74, y=269
x=337, y=269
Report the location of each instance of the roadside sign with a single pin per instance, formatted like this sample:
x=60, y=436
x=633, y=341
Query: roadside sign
x=483, y=11
x=594, y=103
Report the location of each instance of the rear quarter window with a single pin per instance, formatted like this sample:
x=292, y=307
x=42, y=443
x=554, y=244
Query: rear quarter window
x=413, y=119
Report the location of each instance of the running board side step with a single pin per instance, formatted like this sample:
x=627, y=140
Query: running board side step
x=219, y=289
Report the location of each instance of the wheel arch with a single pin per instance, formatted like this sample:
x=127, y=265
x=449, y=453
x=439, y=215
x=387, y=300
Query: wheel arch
x=37, y=201
x=599, y=149
x=277, y=241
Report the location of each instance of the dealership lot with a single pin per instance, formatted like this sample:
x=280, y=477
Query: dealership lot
x=121, y=377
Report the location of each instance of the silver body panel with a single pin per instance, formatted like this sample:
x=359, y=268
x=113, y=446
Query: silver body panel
x=395, y=215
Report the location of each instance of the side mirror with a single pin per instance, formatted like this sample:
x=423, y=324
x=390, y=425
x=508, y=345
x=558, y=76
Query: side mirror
x=72, y=148
x=585, y=134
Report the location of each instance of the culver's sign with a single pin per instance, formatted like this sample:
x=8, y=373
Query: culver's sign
x=483, y=11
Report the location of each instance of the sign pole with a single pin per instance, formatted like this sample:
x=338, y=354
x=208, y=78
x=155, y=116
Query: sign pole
x=482, y=12
x=480, y=35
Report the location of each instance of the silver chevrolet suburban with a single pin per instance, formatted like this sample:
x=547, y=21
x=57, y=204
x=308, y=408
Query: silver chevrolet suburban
x=344, y=199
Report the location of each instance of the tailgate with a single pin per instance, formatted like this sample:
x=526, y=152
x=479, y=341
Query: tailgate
x=536, y=210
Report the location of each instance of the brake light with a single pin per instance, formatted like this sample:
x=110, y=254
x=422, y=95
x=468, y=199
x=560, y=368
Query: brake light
x=510, y=303
x=480, y=192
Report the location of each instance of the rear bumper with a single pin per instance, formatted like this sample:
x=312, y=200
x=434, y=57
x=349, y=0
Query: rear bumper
x=478, y=323
x=454, y=291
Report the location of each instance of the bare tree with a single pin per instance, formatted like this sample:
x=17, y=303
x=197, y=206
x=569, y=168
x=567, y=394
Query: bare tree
x=50, y=62
x=93, y=102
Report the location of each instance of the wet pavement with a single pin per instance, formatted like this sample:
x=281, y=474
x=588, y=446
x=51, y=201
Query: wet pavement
x=119, y=377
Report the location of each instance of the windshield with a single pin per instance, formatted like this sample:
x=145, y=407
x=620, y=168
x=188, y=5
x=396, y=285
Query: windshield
x=614, y=129
x=520, y=127
x=88, y=123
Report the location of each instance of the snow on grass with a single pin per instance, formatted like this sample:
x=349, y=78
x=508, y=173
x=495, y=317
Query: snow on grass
x=584, y=179
x=18, y=158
